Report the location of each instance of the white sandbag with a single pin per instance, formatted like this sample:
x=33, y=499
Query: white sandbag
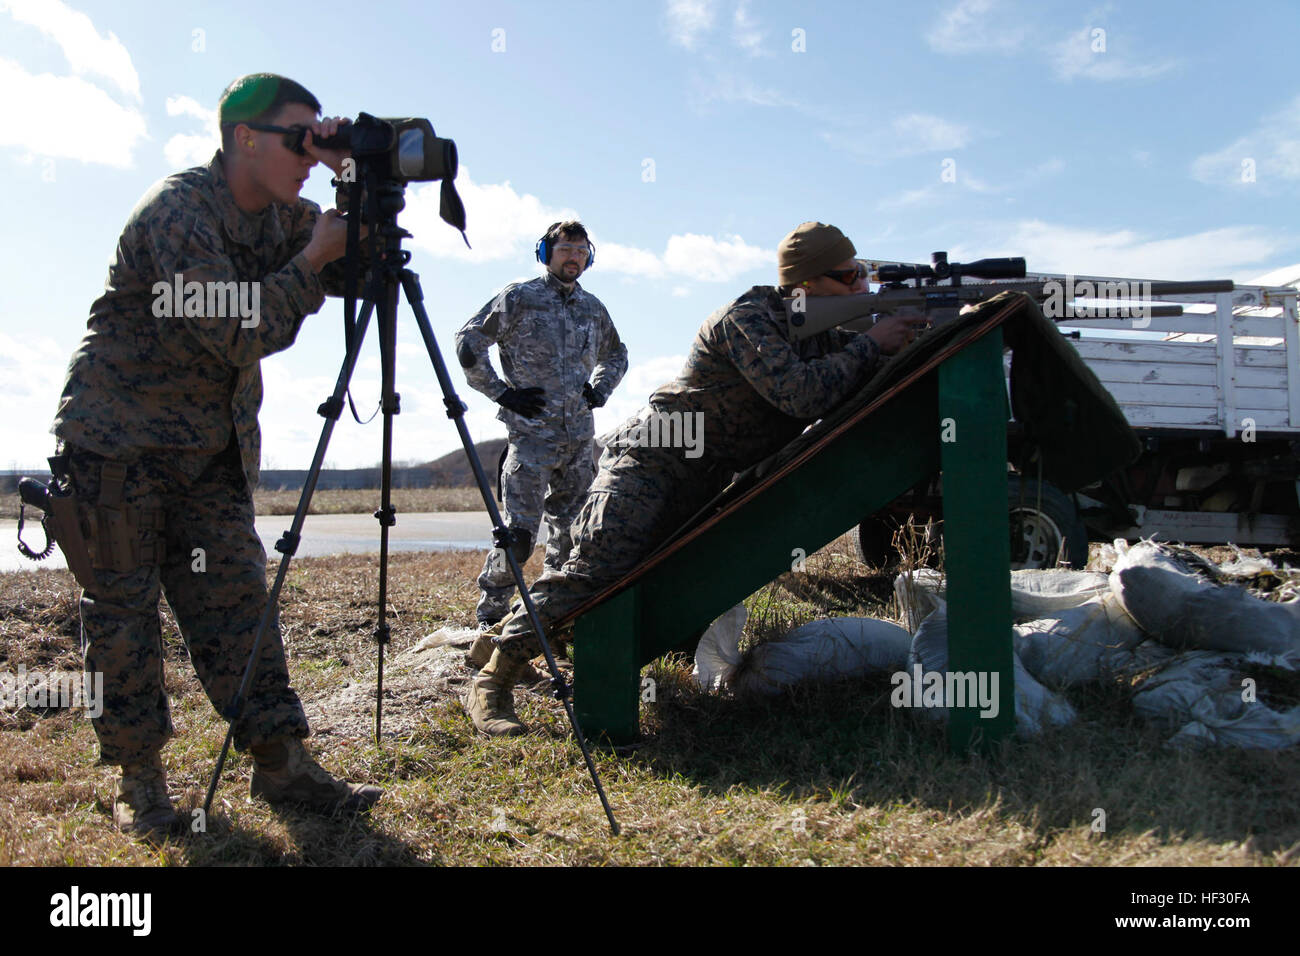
x=825, y=650
x=919, y=595
x=1039, y=594
x=1034, y=594
x=1185, y=610
x=718, y=654
x=1036, y=706
x=1079, y=644
x=1201, y=695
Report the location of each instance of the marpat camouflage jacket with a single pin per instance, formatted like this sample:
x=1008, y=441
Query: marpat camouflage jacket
x=757, y=388
x=144, y=382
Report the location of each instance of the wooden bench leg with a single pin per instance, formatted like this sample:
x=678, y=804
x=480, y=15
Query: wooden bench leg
x=977, y=547
x=606, y=670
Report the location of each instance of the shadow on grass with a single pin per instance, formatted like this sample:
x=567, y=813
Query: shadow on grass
x=844, y=743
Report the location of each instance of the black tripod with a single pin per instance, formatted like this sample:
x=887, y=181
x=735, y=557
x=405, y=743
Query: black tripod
x=385, y=200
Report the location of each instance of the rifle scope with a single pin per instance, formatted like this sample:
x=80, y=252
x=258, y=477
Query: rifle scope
x=940, y=268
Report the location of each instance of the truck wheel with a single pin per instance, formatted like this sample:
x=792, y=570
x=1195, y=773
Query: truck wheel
x=873, y=540
x=1037, y=527
x=1040, y=522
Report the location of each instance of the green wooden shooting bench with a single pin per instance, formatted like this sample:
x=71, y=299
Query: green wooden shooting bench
x=941, y=405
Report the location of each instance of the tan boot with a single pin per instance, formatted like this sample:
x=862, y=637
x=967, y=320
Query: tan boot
x=284, y=772
x=490, y=700
x=480, y=652
x=142, y=806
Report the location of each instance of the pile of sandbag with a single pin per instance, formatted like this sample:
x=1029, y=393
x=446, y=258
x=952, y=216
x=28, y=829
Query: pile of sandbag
x=1166, y=622
x=824, y=650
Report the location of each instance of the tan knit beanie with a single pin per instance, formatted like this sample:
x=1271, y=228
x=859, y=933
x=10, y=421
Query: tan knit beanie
x=810, y=250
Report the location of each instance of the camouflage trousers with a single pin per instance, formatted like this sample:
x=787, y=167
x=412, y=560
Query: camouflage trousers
x=539, y=479
x=192, y=534
x=639, y=498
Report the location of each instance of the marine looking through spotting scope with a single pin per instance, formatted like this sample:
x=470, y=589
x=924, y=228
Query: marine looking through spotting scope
x=388, y=154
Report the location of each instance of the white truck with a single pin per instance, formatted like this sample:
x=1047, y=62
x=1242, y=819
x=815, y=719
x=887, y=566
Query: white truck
x=1214, y=395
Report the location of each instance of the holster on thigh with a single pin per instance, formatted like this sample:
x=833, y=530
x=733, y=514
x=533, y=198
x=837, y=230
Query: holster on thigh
x=118, y=530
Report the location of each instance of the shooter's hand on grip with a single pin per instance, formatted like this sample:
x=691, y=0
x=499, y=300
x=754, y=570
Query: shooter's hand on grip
x=893, y=332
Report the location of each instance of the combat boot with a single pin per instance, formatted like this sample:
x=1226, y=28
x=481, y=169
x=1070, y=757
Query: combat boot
x=480, y=652
x=142, y=806
x=284, y=772
x=490, y=699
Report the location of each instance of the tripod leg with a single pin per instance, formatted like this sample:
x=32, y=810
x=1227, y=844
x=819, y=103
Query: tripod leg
x=288, y=544
x=390, y=402
x=500, y=534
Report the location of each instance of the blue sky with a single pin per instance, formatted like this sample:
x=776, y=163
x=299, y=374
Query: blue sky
x=1152, y=139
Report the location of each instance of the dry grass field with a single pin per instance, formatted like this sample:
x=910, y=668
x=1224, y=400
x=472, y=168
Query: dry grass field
x=821, y=775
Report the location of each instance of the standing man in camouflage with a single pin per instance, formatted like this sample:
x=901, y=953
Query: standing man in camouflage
x=157, y=425
x=754, y=387
x=561, y=357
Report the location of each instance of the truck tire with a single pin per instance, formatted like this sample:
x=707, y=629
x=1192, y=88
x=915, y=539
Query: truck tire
x=1039, y=521
x=873, y=540
x=1037, y=526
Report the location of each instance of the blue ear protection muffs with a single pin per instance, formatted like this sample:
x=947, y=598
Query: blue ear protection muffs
x=543, y=249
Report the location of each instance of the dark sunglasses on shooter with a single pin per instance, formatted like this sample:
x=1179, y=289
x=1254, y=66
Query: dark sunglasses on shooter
x=846, y=276
x=293, y=135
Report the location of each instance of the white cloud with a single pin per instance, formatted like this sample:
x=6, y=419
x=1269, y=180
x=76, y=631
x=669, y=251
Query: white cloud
x=714, y=260
x=689, y=19
x=189, y=106
x=730, y=88
x=33, y=368
x=971, y=26
x=1213, y=254
x=629, y=260
x=689, y=256
x=86, y=50
x=1268, y=152
x=745, y=32
x=634, y=391
x=1090, y=54
x=65, y=117
x=502, y=224
x=922, y=133
x=192, y=149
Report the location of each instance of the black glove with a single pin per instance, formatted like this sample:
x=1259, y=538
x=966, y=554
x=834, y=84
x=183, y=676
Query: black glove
x=523, y=401
x=593, y=398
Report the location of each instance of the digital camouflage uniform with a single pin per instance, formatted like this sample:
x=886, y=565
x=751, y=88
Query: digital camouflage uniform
x=557, y=340
x=757, y=390
x=159, y=419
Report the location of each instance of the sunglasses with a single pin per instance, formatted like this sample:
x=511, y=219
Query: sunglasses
x=848, y=276
x=293, y=135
